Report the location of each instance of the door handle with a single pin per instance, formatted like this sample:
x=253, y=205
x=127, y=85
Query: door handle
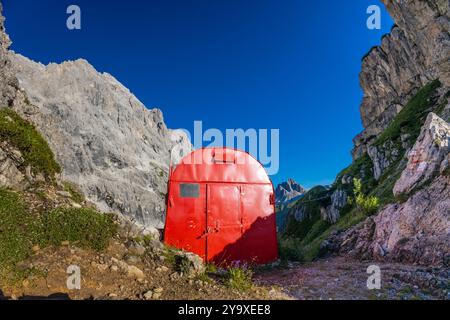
x=205, y=233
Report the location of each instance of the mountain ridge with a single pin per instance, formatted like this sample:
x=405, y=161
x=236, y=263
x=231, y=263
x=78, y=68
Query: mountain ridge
x=288, y=191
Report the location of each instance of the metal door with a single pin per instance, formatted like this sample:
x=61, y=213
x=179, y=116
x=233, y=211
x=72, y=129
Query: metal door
x=259, y=238
x=186, y=220
x=224, y=223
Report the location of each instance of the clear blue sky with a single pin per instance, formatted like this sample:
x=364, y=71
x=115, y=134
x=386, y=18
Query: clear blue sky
x=290, y=64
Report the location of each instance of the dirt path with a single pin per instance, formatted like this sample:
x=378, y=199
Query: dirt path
x=342, y=279
x=335, y=278
x=118, y=273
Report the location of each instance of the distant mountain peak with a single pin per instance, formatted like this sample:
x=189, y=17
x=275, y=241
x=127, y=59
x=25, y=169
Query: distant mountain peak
x=288, y=190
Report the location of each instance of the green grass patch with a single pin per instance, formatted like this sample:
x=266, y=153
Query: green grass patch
x=317, y=229
x=20, y=229
x=239, y=278
x=83, y=227
x=310, y=247
x=23, y=135
x=204, y=277
x=170, y=254
x=17, y=229
x=411, y=118
x=75, y=193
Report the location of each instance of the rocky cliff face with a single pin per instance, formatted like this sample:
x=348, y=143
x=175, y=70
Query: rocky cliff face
x=107, y=142
x=410, y=166
x=8, y=83
x=417, y=228
x=417, y=231
x=288, y=190
x=415, y=52
x=401, y=158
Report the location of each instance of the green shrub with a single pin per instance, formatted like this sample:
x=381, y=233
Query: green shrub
x=361, y=168
x=289, y=249
x=24, y=136
x=84, y=227
x=210, y=269
x=239, y=278
x=368, y=205
x=170, y=254
x=183, y=264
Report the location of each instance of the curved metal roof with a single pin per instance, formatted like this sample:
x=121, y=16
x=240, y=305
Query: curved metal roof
x=224, y=165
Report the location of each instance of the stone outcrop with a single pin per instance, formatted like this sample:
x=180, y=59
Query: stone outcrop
x=427, y=156
x=300, y=213
x=415, y=52
x=417, y=231
x=339, y=199
x=106, y=140
x=11, y=160
x=382, y=157
x=288, y=190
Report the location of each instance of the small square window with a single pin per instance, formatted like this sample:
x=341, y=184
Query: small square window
x=189, y=190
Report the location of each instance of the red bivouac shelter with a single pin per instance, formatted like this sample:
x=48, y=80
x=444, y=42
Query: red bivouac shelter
x=221, y=206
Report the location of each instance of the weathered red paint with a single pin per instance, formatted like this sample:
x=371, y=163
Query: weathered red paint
x=230, y=215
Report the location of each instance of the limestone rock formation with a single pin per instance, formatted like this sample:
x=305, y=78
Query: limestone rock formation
x=288, y=190
x=426, y=25
x=332, y=213
x=414, y=228
x=427, y=156
x=415, y=52
x=106, y=140
x=417, y=231
x=10, y=162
